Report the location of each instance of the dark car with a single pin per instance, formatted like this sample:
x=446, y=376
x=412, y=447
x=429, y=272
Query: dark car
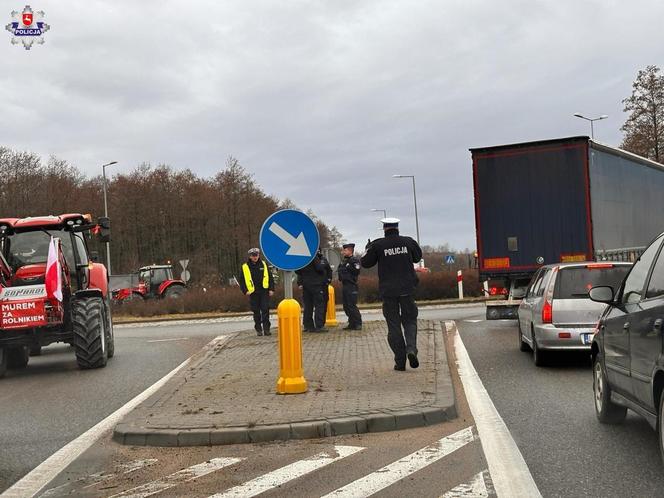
x=628, y=367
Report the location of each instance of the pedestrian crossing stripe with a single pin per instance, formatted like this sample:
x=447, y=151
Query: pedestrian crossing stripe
x=182, y=476
x=363, y=487
x=475, y=488
x=99, y=477
x=394, y=472
x=288, y=473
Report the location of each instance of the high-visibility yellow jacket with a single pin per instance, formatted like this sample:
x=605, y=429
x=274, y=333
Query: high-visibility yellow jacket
x=249, y=281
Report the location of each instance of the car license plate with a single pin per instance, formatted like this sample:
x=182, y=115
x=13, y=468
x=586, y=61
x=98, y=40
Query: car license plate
x=587, y=338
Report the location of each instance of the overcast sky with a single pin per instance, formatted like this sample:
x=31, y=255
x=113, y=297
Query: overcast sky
x=323, y=101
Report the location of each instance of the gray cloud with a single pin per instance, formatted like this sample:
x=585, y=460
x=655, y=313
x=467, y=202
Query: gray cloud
x=324, y=101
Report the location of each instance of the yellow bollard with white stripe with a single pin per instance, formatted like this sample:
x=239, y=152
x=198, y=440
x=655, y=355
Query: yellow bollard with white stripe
x=331, y=312
x=291, y=375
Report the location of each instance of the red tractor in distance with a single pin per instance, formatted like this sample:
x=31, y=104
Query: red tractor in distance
x=150, y=282
x=31, y=315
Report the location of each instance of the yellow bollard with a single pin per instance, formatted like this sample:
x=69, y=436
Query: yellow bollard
x=291, y=376
x=331, y=314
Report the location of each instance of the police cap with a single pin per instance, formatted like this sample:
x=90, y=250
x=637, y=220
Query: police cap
x=390, y=223
x=348, y=246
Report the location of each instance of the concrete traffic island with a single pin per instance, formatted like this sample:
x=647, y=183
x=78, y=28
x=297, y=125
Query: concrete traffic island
x=227, y=394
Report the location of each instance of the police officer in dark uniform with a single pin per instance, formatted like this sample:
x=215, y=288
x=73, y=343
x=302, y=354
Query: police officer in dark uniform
x=395, y=255
x=348, y=271
x=312, y=279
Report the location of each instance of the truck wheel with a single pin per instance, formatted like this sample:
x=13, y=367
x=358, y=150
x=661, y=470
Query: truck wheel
x=607, y=412
x=35, y=350
x=492, y=313
x=174, y=292
x=3, y=362
x=90, y=334
x=110, y=337
x=523, y=345
x=17, y=357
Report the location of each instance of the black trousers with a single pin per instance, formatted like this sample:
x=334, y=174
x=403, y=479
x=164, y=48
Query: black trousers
x=401, y=311
x=314, y=307
x=260, y=305
x=349, y=299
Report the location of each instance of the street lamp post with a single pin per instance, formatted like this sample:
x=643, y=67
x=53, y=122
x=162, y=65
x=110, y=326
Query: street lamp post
x=592, y=120
x=108, y=245
x=417, y=224
x=382, y=210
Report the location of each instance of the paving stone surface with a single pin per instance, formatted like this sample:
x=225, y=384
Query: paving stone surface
x=232, y=387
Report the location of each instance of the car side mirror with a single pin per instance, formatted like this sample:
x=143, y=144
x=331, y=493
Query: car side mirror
x=602, y=294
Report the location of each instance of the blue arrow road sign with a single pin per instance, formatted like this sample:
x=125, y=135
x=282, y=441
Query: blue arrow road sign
x=289, y=239
x=449, y=259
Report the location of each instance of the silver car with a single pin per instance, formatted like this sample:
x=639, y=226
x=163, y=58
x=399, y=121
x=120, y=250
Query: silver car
x=557, y=314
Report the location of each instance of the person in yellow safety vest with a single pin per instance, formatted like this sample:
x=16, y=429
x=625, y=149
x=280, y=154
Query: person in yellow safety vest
x=257, y=283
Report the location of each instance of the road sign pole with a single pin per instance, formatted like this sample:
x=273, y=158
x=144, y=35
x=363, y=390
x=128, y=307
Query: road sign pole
x=289, y=240
x=288, y=285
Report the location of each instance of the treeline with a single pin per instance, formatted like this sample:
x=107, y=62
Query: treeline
x=158, y=214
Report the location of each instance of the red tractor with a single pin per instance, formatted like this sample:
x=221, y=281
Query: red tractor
x=155, y=281
x=32, y=314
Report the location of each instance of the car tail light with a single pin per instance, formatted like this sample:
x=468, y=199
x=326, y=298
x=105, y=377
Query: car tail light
x=547, y=308
x=547, y=312
x=564, y=335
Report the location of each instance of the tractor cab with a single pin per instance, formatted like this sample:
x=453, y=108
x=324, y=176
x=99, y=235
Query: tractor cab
x=157, y=281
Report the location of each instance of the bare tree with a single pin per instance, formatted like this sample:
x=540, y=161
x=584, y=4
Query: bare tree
x=644, y=128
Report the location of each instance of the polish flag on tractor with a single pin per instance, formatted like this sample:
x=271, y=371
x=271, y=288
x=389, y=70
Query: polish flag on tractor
x=53, y=278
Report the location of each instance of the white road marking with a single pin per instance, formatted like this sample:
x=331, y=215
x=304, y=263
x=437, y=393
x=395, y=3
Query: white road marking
x=169, y=340
x=125, y=468
x=45, y=472
x=509, y=471
x=288, y=473
x=179, y=477
x=388, y=475
x=99, y=477
x=475, y=488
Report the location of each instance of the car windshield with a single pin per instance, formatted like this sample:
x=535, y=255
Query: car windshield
x=30, y=248
x=574, y=283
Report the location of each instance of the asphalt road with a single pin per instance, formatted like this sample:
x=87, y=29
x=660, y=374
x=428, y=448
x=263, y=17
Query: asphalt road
x=51, y=402
x=550, y=413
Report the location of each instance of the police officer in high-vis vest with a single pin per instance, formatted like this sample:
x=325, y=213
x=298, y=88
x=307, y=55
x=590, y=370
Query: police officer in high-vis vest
x=257, y=283
x=395, y=255
x=349, y=270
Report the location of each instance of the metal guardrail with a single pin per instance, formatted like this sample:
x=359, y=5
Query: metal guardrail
x=629, y=254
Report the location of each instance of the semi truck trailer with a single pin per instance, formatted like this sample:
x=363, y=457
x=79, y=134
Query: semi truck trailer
x=565, y=199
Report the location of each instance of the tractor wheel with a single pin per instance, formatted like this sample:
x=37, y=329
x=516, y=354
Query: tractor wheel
x=3, y=362
x=134, y=296
x=174, y=292
x=110, y=338
x=17, y=357
x=89, y=323
x=35, y=350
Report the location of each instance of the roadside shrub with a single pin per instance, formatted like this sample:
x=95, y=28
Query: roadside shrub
x=438, y=285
